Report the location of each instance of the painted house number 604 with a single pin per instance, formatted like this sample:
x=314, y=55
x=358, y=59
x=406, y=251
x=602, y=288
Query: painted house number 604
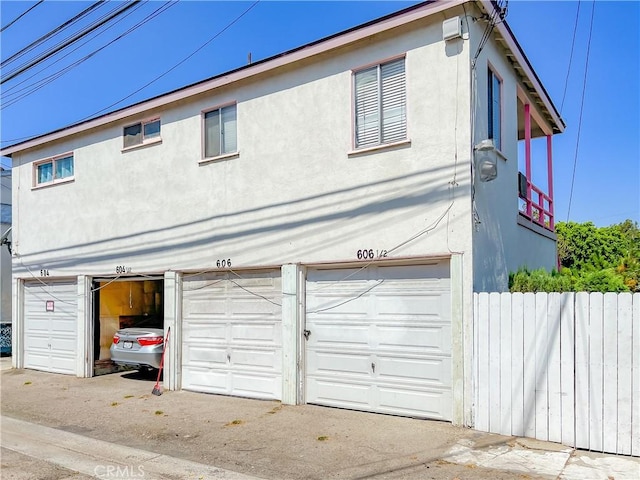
x=122, y=269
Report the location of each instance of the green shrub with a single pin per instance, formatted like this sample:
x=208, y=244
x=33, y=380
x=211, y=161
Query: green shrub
x=601, y=281
x=540, y=281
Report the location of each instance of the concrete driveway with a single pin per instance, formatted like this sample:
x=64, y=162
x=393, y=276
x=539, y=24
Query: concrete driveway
x=268, y=440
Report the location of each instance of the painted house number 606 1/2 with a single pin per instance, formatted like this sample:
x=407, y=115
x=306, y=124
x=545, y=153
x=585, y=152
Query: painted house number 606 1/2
x=370, y=254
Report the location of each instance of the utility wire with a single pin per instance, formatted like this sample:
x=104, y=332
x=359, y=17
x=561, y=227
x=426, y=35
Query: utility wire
x=573, y=42
x=68, y=42
x=584, y=88
x=20, y=16
x=86, y=30
x=155, y=79
x=176, y=65
x=6, y=93
x=51, y=78
x=37, y=42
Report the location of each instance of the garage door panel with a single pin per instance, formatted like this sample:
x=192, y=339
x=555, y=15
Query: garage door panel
x=256, y=333
x=203, y=306
x=64, y=326
x=209, y=331
x=256, y=386
x=410, y=307
x=38, y=359
x=437, y=270
x=433, y=338
x=252, y=306
x=380, y=339
x=38, y=323
x=36, y=341
x=425, y=371
x=328, y=335
x=205, y=355
x=339, y=394
x=256, y=359
x=206, y=380
x=346, y=365
x=338, y=306
x=414, y=402
x=63, y=364
x=63, y=346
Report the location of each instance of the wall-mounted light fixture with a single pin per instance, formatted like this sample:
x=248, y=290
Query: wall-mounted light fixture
x=486, y=160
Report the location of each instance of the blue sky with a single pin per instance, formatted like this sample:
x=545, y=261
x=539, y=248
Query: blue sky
x=606, y=184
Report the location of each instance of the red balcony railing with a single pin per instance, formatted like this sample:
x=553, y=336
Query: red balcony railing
x=536, y=205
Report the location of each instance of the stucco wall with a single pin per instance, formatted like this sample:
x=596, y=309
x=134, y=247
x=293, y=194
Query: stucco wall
x=294, y=193
x=500, y=244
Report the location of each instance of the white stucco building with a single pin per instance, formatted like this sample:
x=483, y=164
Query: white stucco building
x=311, y=226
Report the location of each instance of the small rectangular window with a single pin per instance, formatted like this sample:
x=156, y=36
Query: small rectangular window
x=380, y=104
x=494, y=107
x=54, y=170
x=220, y=131
x=139, y=133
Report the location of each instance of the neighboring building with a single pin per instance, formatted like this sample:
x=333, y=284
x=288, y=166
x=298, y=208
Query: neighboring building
x=311, y=226
x=5, y=261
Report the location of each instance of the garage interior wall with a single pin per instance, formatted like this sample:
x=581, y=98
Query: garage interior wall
x=126, y=304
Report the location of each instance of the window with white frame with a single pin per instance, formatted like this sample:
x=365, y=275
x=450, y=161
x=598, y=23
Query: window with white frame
x=494, y=103
x=220, y=131
x=54, y=170
x=141, y=132
x=380, y=104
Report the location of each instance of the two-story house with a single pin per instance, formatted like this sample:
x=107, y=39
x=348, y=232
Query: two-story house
x=311, y=226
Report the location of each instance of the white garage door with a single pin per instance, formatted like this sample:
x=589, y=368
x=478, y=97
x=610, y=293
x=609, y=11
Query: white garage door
x=50, y=326
x=379, y=339
x=232, y=334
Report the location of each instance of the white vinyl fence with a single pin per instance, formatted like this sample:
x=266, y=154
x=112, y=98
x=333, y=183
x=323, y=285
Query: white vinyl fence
x=559, y=367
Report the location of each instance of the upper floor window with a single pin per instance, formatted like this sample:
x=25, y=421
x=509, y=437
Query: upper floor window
x=220, y=131
x=495, y=102
x=141, y=132
x=380, y=104
x=54, y=170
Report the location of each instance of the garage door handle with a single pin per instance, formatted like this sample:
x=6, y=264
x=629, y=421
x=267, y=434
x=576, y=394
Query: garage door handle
x=373, y=367
x=306, y=334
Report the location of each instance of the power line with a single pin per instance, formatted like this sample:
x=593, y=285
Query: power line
x=68, y=42
x=156, y=78
x=51, y=78
x=573, y=42
x=37, y=42
x=584, y=88
x=6, y=93
x=177, y=64
x=20, y=16
x=85, y=30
